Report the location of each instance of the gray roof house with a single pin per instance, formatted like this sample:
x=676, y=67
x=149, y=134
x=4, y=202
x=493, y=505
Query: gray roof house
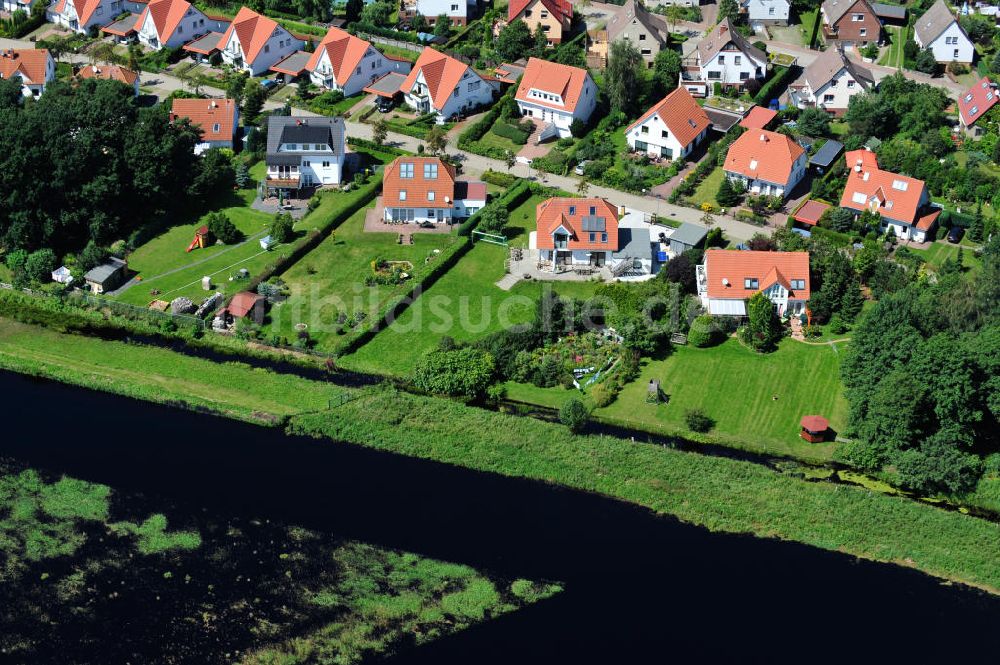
x=636, y=255
x=304, y=153
x=939, y=30
x=634, y=23
x=107, y=276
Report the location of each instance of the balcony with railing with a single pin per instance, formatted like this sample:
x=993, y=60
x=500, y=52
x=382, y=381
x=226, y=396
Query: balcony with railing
x=701, y=276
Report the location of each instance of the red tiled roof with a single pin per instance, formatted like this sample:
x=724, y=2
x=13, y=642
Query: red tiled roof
x=758, y=118
x=561, y=9
x=764, y=155
x=167, y=15
x=345, y=51
x=727, y=269
x=470, y=190
x=976, y=101
x=110, y=72
x=891, y=195
x=442, y=74
x=680, y=113
x=243, y=302
x=810, y=212
x=569, y=213
x=29, y=63
x=418, y=187
x=252, y=30
x=84, y=9
x=206, y=113
x=552, y=77
x=815, y=423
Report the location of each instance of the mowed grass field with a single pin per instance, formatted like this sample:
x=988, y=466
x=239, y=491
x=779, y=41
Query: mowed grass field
x=464, y=304
x=522, y=221
x=939, y=252
x=330, y=279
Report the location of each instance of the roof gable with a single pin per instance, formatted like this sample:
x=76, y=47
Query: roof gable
x=721, y=36
x=580, y=218
x=763, y=155
x=829, y=64
x=166, y=16
x=835, y=9
x=419, y=185
x=251, y=30
x=727, y=272
x=935, y=21
x=682, y=115
x=30, y=64
x=633, y=10
x=561, y=9
x=892, y=195
x=345, y=52
x=441, y=74
x=554, y=78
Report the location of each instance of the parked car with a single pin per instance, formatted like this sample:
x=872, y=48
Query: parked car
x=384, y=104
x=581, y=167
x=269, y=84
x=955, y=235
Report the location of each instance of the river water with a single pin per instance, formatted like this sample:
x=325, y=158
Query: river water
x=638, y=587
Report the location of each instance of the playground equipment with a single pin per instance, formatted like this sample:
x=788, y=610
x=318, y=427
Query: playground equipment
x=200, y=239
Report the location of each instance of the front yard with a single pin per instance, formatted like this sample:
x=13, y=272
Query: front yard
x=708, y=188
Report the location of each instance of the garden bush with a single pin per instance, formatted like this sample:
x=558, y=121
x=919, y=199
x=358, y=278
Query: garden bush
x=698, y=421
x=602, y=395
x=574, y=414
x=704, y=332
x=515, y=134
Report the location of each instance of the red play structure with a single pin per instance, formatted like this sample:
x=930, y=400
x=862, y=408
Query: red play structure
x=200, y=239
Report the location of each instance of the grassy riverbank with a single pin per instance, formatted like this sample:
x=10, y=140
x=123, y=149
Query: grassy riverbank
x=720, y=494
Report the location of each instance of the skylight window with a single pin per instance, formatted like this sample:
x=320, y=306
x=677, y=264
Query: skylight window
x=859, y=197
x=968, y=98
x=753, y=164
x=974, y=110
x=901, y=185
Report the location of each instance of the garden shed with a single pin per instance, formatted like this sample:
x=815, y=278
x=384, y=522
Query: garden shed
x=814, y=428
x=106, y=276
x=685, y=237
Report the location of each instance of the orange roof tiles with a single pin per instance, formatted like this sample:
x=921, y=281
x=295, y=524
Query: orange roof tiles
x=84, y=9
x=442, y=73
x=109, y=72
x=551, y=77
x=891, y=195
x=418, y=188
x=206, y=113
x=728, y=269
x=810, y=212
x=680, y=113
x=243, y=302
x=252, y=30
x=561, y=9
x=345, y=52
x=167, y=15
x=758, y=117
x=763, y=155
x=570, y=213
x=976, y=101
x=29, y=63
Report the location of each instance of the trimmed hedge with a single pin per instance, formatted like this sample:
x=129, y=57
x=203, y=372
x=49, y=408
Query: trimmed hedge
x=515, y=134
x=499, y=179
x=367, y=144
x=780, y=78
x=517, y=195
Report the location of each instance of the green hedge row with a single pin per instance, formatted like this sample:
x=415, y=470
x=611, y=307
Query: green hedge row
x=515, y=134
x=367, y=144
x=780, y=78
x=514, y=197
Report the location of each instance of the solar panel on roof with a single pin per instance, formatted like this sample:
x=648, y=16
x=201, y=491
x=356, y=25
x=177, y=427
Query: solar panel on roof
x=594, y=223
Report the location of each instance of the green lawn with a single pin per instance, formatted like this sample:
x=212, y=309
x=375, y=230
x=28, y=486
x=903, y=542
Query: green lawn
x=164, y=264
x=464, y=304
x=940, y=251
x=708, y=188
x=330, y=279
x=522, y=221
x=807, y=21
x=5, y=275
x=894, y=56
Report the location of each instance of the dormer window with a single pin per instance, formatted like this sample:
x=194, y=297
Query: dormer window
x=798, y=284
x=968, y=98
x=430, y=171
x=751, y=283
x=406, y=170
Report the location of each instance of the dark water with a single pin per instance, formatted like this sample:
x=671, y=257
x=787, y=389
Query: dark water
x=639, y=587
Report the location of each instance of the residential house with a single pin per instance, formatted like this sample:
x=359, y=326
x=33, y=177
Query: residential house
x=35, y=68
x=106, y=277
x=850, y=22
x=441, y=84
x=830, y=82
x=766, y=163
x=556, y=94
x=304, y=152
x=170, y=24
x=938, y=29
x=730, y=277
x=111, y=73
x=901, y=201
x=82, y=16
x=458, y=12
x=576, y=231
x=648, y=32
x=766, y=12
x=977, y=100
x=218, y=119
x=671, y=128
x=723, y=57
x=424, y=189
x=12, y=6
x=254, y=42
x=555, y=17
x=344, y=62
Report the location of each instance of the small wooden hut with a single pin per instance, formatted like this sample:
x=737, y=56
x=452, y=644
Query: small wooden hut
x=814, y=428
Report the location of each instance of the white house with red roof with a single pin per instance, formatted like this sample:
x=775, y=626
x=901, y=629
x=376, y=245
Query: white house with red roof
x=728, y=278
x=458, y=12
x=766, y=163
x=82, y=15
x=34, y=67
x=974, y=104
x=425, y=189
x=576, y=231
x=255, y=42
x=111, y=73
x=557, y=94
x=218, y=120
x=902, y=202
x=344, y=62
x=671, y=128
x=170, y=24
x=441, y=84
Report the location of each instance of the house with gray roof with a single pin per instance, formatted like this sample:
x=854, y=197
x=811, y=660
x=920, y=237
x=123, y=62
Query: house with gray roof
x=725, y=57
x=938, y=30
x=304, y=153
x=634, y=23
x=830, y=82
x=685, y=237
x=107, y=276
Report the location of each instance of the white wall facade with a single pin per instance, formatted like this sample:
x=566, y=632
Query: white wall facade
x=768, y=12
x=105, y=13
x=36, y=89
x=401, y=213
x=372, y=66
x=731, y=68
x=471, y=91
x=194, y=24
x=951, y=45
x=757, y=186
x=279, y=45
x=453, y=9
x=833, y=95
x=658, y=144
x=562, y=119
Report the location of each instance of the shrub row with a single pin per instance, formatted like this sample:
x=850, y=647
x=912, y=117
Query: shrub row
x=515, y=134
x=780, y=77
x=517, y=195
x=366, y=144
x=499, y=179
x=716, y=157
x=372, y=29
